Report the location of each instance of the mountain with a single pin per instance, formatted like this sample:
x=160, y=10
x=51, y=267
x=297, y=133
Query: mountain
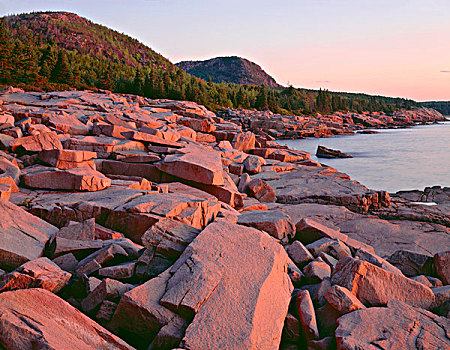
x=441, y=106
x=232, y=69
x=71, y=32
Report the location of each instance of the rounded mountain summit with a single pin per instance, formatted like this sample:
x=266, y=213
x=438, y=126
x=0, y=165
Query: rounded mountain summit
x=232, y=69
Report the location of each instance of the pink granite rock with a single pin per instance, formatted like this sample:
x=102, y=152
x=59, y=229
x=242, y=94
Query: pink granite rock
x=68, y=159
x=76, y=179
x=36, y=143
x=373, y=285
x=38, y=318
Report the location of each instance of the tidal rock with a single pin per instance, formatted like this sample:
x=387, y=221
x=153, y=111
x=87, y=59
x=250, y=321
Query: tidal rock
x=224, y=264
x=68, y=124
x=76, y=179
x=9, y=174
x=291, y=329
x=326, y=186
x=118, y=272
x=38, y=273
x=5, y=191
x=244, y=180
x=374, y=286
x=323, y=152
x=398, y=326
x=37, y=318
x=103, y=146
x=108, y=289
x=137, y=215
x=170, y=237
x=78, y=230
x=23, y=236
x=275, y=223
x=377, y=261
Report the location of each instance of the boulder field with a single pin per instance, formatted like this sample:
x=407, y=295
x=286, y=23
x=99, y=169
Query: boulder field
x=127, y=222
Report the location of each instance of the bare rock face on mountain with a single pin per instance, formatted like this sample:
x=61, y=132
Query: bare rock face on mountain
x=23, y=236
x=37, y=318
x=397, y=326
x=233, y=69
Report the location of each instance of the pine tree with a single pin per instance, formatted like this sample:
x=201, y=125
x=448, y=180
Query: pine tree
x=47, y=62
x=62, y=72
x=261, y=102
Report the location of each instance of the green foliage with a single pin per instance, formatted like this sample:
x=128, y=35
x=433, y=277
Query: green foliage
x=58, y=50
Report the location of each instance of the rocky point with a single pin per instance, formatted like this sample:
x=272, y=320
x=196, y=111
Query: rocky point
x=127, y=222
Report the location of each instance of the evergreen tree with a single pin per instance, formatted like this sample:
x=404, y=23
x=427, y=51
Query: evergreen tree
x=261, y=99
x=47, y=62
x=62, y=72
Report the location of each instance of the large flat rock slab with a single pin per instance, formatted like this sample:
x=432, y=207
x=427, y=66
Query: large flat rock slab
x=198, y=164
x=37, y=318
x=385, y=236
x=104, y=146
x=128, y=211
x=233, y=280
x=23, y=236
x=75, y=179
x=398, y=326
x=325, y=186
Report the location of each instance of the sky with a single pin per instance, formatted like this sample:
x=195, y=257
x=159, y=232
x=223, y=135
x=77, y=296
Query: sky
x=397, y=48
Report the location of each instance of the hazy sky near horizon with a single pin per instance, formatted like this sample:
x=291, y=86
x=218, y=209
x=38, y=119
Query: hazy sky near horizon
x=386, y=47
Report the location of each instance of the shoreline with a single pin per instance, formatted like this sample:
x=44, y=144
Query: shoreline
x=391, y=145
x=155, y=218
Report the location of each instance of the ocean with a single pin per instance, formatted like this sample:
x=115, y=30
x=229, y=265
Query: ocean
x=393, y=159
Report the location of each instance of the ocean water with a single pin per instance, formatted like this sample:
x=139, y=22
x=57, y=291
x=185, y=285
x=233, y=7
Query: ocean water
x=393, y=159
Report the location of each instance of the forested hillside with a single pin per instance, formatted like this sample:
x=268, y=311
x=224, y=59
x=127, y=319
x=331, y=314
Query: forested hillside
x=60, y=50
x=441, y=106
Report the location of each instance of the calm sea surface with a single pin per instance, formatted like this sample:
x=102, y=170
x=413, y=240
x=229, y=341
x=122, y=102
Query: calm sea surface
x=393, y=159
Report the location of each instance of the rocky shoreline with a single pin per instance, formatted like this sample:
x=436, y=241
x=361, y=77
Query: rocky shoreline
x=339, y=123
x=169, y=226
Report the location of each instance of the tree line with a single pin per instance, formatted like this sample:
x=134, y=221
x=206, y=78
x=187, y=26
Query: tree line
x=29, y=61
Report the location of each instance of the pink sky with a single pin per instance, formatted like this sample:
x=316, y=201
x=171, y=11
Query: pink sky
x=385, y=47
